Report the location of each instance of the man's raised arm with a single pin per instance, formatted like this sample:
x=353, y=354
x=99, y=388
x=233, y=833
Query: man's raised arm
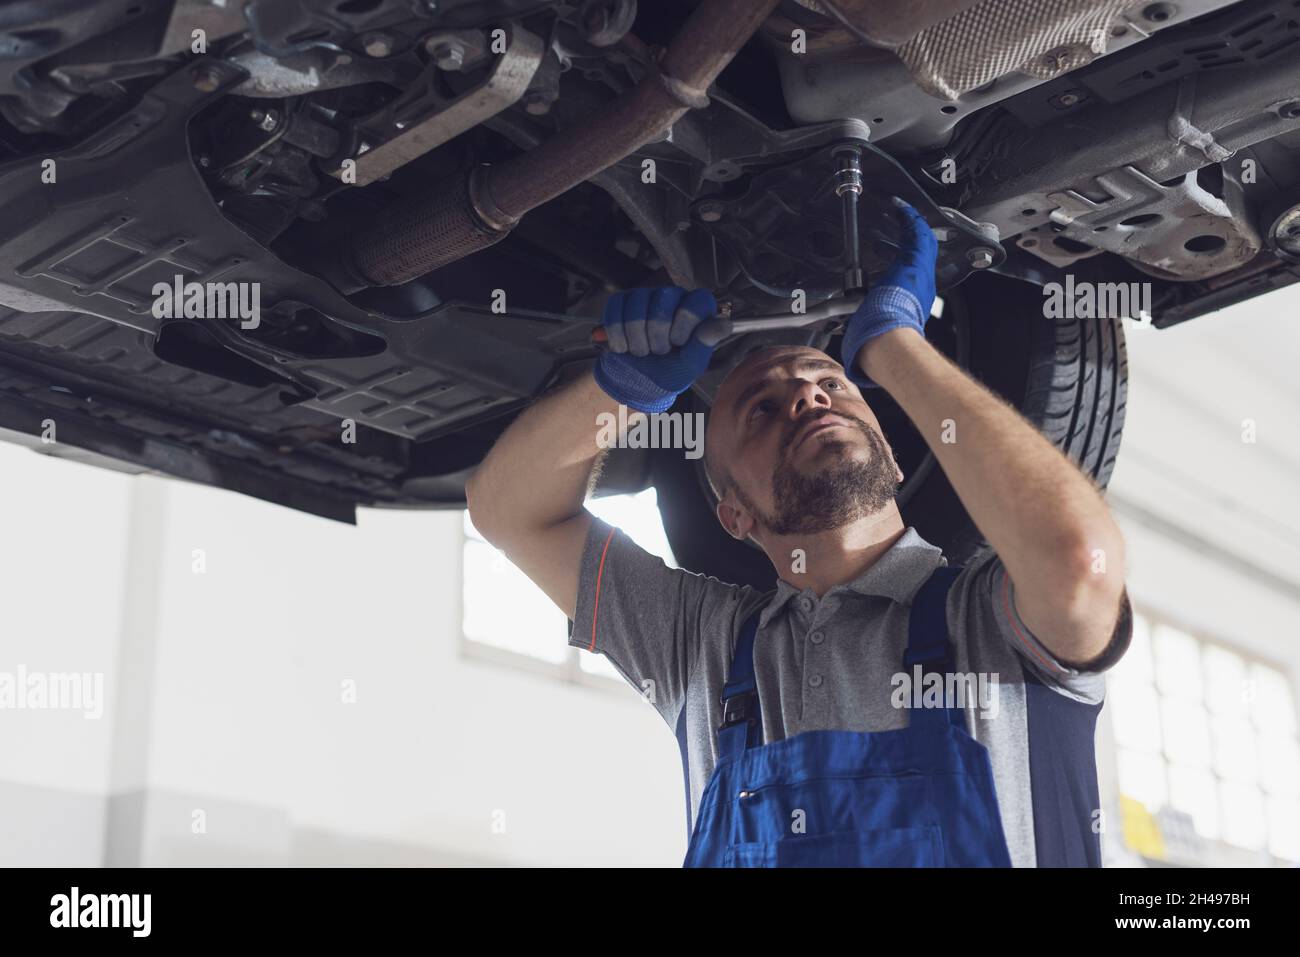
x=527, y=496
x=1045, y=519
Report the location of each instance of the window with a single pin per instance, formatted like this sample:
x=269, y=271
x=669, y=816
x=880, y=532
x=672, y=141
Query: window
x=1207, y=731
x=506, y=617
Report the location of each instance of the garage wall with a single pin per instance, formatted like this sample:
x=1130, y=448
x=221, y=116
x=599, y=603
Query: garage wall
x=63, y=529
x=315, y=696
x=1211, y=518
x=1213, y=522
x=225, y=630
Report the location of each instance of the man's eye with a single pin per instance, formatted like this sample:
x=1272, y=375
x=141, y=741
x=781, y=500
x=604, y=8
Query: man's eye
x=763, y=406
x=832, y=382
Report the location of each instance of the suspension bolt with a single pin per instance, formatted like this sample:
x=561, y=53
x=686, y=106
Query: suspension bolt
x=981, y=257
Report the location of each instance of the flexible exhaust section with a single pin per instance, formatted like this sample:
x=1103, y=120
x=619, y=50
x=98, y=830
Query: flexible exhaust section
x=465, y=215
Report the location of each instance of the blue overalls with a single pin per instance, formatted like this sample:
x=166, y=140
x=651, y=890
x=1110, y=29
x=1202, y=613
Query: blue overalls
x=919, y=796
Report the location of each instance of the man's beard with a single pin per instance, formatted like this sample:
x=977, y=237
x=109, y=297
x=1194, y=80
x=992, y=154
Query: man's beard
x=833, y=496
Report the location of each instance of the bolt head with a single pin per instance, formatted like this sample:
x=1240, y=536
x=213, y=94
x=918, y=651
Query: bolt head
x=207, y=79
x=448, y=55
x=981, y=257
x=709, y=212
x=1159, y=12
x=537, y=104
x=265, y=120
x=377, y=45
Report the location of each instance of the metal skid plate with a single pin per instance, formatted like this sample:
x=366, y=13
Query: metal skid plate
x=787, y=229
x=1182, y=231
x=127, y=209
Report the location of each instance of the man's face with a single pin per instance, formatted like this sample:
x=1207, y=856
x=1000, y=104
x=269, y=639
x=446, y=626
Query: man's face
x=804, y=451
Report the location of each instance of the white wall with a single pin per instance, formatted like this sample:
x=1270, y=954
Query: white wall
x=256, y=651
x=63, y=528
x=1212, y=522
x=1234, y=568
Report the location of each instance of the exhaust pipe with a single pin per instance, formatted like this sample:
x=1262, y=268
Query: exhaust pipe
x=465, y=215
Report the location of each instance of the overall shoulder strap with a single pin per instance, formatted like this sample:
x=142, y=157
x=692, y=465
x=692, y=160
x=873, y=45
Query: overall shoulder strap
x=928, y=642
x=742, y=723
x=740, y=683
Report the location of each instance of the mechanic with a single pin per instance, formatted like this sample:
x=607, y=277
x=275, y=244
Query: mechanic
x=811, y=760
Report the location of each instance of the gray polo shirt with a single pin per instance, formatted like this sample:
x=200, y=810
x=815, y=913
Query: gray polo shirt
x=828, y=663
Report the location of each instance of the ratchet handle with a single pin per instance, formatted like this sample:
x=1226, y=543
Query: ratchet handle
x=830, y=316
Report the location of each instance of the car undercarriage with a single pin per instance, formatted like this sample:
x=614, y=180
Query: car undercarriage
x=433, y=199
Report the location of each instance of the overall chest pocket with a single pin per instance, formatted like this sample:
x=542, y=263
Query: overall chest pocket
x=920, y=846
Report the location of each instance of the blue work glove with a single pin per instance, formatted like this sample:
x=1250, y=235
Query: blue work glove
x=660, y=340
x=901, y=298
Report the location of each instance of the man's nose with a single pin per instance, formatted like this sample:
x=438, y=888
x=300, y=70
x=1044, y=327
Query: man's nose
x=808, y=395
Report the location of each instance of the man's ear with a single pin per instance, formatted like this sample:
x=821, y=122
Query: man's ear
x=735, y=518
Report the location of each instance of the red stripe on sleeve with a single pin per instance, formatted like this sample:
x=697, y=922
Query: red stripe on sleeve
x=599, y=573
x=1011, y=619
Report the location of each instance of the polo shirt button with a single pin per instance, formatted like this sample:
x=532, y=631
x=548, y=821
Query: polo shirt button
x=815, y=681
x=806, y=603
x=817, y=637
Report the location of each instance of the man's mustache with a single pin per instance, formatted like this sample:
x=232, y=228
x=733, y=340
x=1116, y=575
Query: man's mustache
x=813, y=416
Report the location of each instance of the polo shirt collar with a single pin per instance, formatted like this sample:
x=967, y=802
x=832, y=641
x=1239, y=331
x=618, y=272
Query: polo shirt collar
x=896, y=575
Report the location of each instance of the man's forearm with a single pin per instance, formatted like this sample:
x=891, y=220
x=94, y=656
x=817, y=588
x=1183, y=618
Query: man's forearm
x=537, y=473
x=1044, y=518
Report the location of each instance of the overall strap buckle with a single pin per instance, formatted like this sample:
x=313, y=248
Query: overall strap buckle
x=740, y=708
x=739, y=697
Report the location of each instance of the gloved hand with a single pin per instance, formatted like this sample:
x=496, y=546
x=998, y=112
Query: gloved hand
x=902, y=298
x=660, y=340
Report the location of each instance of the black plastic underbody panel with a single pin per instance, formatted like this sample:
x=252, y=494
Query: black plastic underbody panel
x=79, y=259
x=128, y=210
